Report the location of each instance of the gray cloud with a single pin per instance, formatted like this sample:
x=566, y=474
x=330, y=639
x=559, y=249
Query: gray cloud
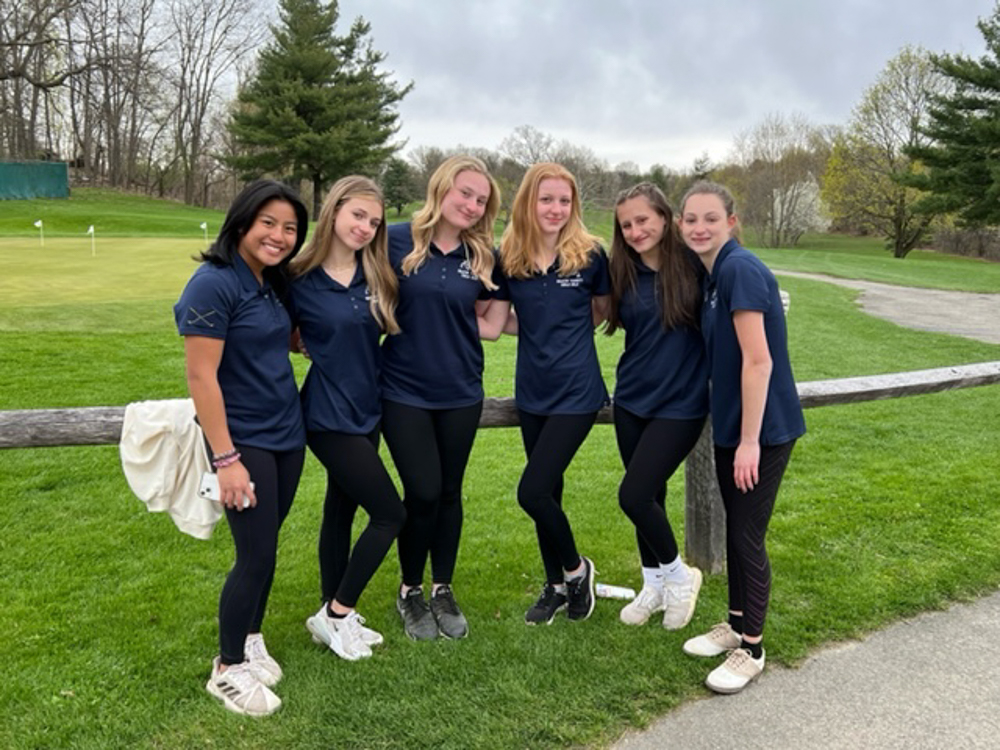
x=643, y=80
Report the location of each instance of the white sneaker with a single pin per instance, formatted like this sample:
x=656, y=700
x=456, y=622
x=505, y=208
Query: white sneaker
x=263, y=665
x=640, y=609
x=718, y=640
x=369, y=636
x=240, y=691
x=679, y=600
x=343, y=636
x=736, y=672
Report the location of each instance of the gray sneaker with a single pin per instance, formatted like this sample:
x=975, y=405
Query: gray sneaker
x=450, y=620
x=418, y=622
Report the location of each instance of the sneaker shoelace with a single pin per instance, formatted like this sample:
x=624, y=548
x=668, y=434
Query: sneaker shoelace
x=737, y=660
x=647, y=598
x=353, y=627
x=720, y=633
x=446, y=600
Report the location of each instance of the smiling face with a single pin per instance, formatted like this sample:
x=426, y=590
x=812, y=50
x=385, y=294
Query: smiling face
x=705, y=226
x=465, y=202
x=553, y=207
x=271, y=237
x=642, y=226
x=356, y=223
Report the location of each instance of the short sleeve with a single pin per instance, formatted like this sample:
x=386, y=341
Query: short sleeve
x=747, y=288
x=602, y=276
x=205, y=306
x=502, y=292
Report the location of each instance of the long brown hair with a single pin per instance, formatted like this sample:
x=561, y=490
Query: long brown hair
x=677, y=287
x=523, y=236
x=382, y=282
x=477, y=239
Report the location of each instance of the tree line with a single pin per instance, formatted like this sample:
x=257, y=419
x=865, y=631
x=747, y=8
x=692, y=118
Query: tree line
x=189, y=98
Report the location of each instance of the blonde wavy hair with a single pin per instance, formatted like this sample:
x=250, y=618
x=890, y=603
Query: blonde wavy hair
x=523, y=235
x=382, y=282
x=478, y=239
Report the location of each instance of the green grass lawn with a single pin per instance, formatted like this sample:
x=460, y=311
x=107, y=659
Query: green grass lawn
x=888, y=509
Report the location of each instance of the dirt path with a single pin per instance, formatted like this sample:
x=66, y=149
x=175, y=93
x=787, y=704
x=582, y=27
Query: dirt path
x=969, y=314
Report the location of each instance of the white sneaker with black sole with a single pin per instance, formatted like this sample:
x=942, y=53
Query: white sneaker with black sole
x=240, y=691
x=341, y=634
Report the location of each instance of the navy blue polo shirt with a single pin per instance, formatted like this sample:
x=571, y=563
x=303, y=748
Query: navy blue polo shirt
x=661, y=374
x=740, y=281
x=436, y=362
x=557, y=370
x=255, y=374
x=341, y=391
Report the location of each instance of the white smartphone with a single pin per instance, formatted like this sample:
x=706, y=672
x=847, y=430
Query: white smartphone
x=209, y=488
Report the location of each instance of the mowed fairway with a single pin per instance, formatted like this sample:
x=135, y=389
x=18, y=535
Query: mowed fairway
x=109, y=613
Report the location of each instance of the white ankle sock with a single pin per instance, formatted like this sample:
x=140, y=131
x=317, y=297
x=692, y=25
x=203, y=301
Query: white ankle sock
x=674, y=572
x=652, y=577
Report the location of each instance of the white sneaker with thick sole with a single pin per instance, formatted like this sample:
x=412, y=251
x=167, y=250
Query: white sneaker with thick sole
x=645, y=605
x=736, y=672
x=720, y=639
x=268, y=671
x=369, y=636
x=342, y=635
x=240, y=691
x=679, y=600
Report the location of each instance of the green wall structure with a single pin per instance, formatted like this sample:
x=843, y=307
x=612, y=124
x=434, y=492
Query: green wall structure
x=20, y=180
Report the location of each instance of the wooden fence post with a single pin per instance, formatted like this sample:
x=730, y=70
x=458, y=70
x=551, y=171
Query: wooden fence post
x=704, y=515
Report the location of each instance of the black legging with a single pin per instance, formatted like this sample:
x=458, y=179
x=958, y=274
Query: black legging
x=550, y=442
x=355, y=476
x=430, y=448
x=255, y=532
x=747, y=516
x=651, y=450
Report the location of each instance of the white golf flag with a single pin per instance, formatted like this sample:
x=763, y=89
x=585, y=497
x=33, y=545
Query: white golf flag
x=91, y=229
x=38, y=223
x=204, y=225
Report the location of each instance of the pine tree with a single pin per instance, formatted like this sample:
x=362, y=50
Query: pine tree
x=963, y=162
x=397, y=184
x=319, y=107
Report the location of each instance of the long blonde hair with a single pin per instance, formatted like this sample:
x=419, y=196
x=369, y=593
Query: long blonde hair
x=478, y=239
x=523, y=236
x=382, y=282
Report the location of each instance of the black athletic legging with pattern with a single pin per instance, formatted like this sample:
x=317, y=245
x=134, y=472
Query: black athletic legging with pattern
x=747, y=517
x=275, y=475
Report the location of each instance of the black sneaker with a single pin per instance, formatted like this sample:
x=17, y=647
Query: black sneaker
x=418, y=622
x=549, y=604
x=580, y=593
x=450, y=620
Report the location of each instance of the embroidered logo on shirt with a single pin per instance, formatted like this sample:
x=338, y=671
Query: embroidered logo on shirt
x=196, y=318
x=570, y=282
x=466, y=272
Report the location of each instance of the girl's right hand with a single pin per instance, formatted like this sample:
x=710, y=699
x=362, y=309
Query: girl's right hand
x=235, y=487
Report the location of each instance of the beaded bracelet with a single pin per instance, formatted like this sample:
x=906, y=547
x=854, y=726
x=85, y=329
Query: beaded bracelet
x=224, y=454
x=228, y=460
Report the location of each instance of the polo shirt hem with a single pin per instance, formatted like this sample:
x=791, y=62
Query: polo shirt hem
x=422, y=404
x=660, y=414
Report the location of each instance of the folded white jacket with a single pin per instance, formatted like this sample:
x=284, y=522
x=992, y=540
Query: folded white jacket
x=163, y=456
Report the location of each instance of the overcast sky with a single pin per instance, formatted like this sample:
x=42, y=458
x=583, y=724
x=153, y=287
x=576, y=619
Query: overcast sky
x=647, y=81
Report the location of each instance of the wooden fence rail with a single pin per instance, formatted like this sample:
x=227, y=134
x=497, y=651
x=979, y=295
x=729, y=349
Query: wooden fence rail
x=704, y=516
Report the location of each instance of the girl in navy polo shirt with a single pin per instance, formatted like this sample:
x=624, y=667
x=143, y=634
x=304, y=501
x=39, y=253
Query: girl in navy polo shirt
x=661, y=392
x=343, y=298
x=432, y=376
x=556, y=276
x=236, y=337
x=756, y=419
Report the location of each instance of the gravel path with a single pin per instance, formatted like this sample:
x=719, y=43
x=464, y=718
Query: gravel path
x=969, y=314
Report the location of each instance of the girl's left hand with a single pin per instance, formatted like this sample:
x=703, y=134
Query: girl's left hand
x=745, y=466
